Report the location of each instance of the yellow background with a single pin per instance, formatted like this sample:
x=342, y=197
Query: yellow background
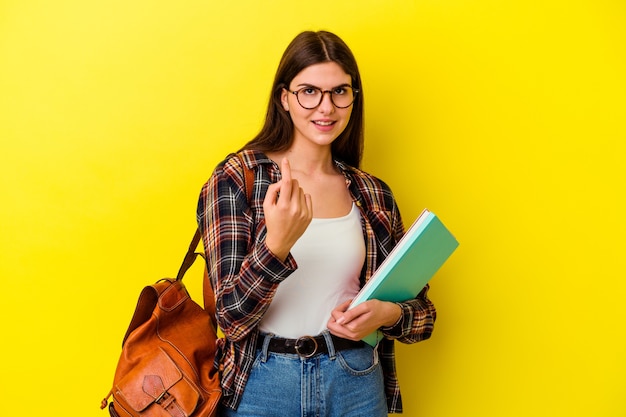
x=506, y=118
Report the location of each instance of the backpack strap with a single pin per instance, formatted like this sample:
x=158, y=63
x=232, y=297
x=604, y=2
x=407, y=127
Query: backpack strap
x=249, y=178
x=190, y=256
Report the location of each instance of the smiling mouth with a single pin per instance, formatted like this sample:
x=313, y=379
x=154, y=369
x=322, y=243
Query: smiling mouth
x=320, y=123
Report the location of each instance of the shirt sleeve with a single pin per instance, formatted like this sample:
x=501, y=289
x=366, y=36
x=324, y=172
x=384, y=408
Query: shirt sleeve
x=417, y=320
x=244, y=273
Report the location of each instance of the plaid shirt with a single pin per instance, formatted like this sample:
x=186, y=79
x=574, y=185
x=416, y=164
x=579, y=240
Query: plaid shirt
x=245, y=274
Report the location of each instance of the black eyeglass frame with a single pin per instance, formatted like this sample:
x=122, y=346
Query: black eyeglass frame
x=355, y=91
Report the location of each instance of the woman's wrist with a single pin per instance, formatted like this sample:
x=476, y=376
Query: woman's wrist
x=394, y=315
x=276, y=250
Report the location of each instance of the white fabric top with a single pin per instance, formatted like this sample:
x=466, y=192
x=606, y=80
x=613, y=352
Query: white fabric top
x=330, y=255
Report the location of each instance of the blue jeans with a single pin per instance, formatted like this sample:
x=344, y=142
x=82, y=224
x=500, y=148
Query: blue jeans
x=348, y=383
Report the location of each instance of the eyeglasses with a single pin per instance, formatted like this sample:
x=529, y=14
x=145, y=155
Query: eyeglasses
x=310, y=97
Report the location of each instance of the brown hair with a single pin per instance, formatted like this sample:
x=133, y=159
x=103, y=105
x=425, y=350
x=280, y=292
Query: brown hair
x=306, y=49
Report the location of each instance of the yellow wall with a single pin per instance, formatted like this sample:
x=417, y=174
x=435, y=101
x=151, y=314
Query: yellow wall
x=504, y=117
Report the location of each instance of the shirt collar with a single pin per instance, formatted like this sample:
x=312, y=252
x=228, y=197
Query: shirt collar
x=253, y=158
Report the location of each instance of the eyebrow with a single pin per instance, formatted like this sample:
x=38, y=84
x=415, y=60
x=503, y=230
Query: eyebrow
x=304, y=85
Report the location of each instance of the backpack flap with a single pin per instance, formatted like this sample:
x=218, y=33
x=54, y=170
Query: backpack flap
x=162, y=385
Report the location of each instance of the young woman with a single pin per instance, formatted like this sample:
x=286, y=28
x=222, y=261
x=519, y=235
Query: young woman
x=285, y=263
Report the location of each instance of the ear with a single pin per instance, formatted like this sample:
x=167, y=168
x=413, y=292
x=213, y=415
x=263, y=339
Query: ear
x=284, y=99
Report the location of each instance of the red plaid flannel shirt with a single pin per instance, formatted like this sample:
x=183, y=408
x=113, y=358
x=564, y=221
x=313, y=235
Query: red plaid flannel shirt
x=245, y=274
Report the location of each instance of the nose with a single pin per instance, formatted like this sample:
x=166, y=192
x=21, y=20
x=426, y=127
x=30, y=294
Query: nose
x=326, y=106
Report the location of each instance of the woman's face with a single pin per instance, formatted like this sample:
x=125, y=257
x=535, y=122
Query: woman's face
x=324, y=123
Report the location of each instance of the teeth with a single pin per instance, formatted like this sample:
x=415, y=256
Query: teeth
x=323, y=123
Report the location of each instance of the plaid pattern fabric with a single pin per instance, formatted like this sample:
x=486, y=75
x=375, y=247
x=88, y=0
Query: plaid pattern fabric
x=245, y=274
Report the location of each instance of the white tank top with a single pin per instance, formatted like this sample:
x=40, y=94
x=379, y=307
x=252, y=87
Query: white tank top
x=330, y=255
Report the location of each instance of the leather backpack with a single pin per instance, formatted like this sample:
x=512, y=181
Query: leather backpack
x=166, y=368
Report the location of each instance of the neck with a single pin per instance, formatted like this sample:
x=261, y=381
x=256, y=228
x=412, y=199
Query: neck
x=309, y=161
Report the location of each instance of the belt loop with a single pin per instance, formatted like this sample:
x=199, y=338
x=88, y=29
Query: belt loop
x=265, y=348
x=329, y=344
x=376, y=359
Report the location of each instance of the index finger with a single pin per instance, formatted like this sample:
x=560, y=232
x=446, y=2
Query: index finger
x=351, y=314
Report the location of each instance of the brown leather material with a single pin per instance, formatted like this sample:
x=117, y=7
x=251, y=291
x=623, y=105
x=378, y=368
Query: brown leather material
x=166, y=368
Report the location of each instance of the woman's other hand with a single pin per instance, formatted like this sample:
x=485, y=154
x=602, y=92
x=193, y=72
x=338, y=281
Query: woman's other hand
x=364, y=319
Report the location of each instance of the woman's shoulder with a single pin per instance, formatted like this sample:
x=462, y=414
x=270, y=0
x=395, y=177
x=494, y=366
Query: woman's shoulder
x=251, y=158
x=364, y=179
x=372, y=190
x=232, y=165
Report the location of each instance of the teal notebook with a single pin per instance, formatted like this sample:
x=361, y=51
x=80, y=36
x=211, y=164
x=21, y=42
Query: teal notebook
x=410, y=265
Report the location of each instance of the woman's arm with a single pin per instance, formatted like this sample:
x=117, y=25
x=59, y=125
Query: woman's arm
x=409, y=321
x=244, y=273
x=247, y=261
x=417, y=320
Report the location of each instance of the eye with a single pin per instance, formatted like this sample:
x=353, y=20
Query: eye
x=339, y=91
x=309, y=91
